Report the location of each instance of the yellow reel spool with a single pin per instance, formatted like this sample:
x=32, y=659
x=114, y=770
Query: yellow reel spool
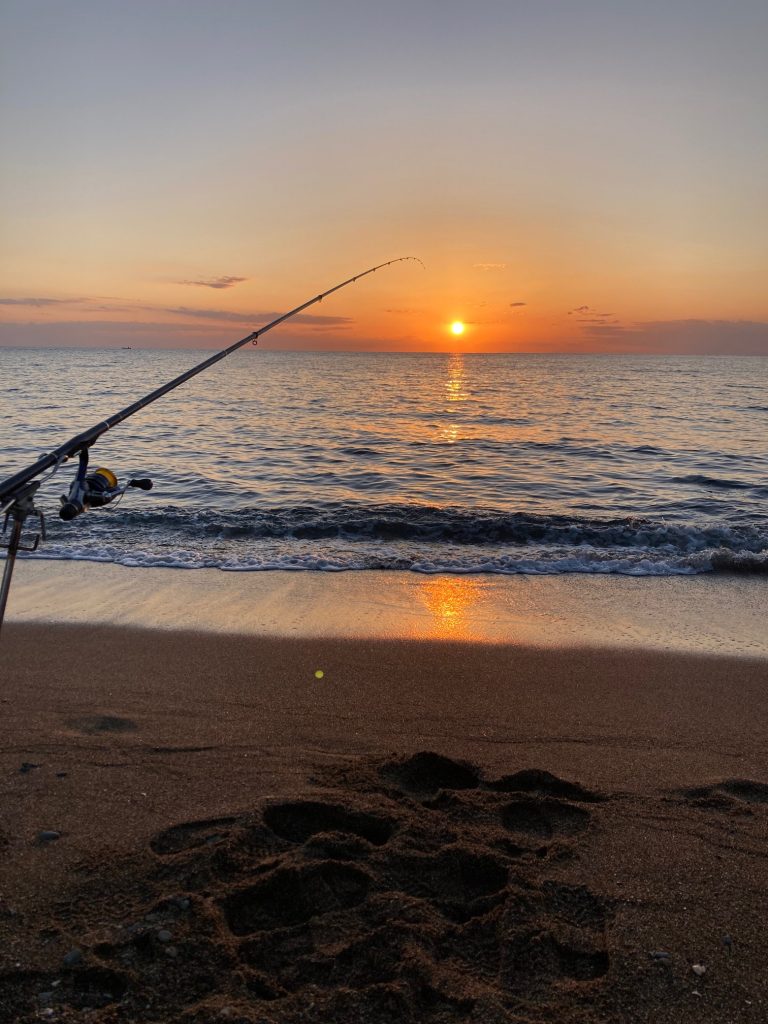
x=108, y=475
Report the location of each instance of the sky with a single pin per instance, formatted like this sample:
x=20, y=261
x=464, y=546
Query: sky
x=576, y=175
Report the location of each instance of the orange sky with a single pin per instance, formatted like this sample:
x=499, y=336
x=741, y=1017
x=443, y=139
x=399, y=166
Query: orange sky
x=574, y=177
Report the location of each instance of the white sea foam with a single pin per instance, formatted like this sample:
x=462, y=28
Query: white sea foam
x=526, y=561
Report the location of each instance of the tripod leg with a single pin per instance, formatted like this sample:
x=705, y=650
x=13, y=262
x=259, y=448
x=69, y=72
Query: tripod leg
x=10, y=561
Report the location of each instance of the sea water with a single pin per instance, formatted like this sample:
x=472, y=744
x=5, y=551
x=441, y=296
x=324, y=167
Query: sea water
x=427, y=462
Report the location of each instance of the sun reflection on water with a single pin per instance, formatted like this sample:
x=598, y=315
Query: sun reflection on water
x=454, y=390
x=455, y=385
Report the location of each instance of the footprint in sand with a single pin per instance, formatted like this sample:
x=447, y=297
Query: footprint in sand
x=370, y=901
x=544, y=818
x=298, y=820
x=90, y=724
x=735, y=795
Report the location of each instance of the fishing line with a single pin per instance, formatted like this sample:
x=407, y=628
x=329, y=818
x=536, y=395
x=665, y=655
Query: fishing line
x=99, y=487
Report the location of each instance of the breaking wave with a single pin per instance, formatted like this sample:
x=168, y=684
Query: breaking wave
x=338, y=537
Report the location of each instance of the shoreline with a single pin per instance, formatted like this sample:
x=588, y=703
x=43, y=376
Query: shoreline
x=699, y=614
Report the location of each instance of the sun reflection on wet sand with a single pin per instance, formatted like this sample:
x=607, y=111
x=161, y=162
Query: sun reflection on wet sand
x=450, y=599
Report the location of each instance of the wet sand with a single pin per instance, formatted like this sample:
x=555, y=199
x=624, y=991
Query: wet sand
x=585, y=808
x=710, y=613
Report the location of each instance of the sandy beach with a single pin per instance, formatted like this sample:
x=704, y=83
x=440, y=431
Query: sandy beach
x=434, y=830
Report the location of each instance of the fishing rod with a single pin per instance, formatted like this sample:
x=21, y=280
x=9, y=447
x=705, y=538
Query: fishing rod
x=100, y=487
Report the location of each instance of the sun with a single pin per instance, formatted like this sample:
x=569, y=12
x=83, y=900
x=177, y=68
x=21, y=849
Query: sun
x=457, y=327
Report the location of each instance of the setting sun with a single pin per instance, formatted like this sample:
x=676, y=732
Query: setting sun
x=457, y=327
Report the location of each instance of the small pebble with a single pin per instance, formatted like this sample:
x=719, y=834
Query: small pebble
x=48, y=836
x=183, y=903
x=172, y=952
x=74, y=956
x=27, y=766
x=699, y=970
x=45, y=997
x=61, y=775
x=660, y=955
x=728, y=943
x=164, y=935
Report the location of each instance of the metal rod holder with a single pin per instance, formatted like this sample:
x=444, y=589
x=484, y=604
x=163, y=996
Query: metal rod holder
x=18, y=511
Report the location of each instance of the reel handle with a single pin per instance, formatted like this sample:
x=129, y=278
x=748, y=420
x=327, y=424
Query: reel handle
x=145, y=484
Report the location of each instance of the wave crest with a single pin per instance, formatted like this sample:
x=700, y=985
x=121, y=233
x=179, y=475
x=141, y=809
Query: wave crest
x=342, y=537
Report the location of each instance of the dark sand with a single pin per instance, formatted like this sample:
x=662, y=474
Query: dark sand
x=589, y=808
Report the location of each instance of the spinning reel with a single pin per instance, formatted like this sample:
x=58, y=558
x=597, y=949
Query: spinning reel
x=94, y=490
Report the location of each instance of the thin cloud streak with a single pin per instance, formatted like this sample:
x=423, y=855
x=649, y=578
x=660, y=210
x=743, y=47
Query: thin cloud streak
x=685, y=337
x=145, y=334
x=226, y=316
x=37, y=302
x=221, y=315
x=217, y=282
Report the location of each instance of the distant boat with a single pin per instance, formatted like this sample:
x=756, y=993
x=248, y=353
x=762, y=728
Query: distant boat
x=126, y=348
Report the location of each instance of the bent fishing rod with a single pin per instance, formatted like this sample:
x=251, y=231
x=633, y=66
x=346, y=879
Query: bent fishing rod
x=100, y=487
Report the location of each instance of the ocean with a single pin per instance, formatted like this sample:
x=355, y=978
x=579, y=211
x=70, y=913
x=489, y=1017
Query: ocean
x=457, y=463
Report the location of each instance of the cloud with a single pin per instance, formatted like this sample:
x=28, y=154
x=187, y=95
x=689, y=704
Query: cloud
x=404, y=311
x=489, y=266
x=257, y=318
x=98, y=307
x=217, y=282
x=588, y=315
x=514, y=305
x=602, y=330
x=161, y=334
x=36, y=302
x=108, y=334
x=685, y=337
x=112, y=325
